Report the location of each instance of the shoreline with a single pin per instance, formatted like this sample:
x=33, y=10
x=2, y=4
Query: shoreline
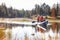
x=26, y=20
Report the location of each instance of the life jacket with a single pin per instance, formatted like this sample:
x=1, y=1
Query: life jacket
x=40, y=18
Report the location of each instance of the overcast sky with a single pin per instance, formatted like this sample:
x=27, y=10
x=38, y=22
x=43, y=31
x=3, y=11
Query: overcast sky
x=27, y=4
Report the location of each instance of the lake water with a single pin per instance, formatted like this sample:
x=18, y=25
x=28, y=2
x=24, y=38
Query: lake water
x=29, y=33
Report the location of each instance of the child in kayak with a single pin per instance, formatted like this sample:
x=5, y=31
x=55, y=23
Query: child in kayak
x=44, y=24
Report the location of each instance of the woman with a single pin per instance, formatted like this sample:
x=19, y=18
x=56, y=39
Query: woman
x=44, y=24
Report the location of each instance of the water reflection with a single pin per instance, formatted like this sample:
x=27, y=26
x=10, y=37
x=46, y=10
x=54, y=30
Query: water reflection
x=29, y=33
x=20, y=33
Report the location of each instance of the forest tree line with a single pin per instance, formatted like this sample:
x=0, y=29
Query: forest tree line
x=43, y=9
